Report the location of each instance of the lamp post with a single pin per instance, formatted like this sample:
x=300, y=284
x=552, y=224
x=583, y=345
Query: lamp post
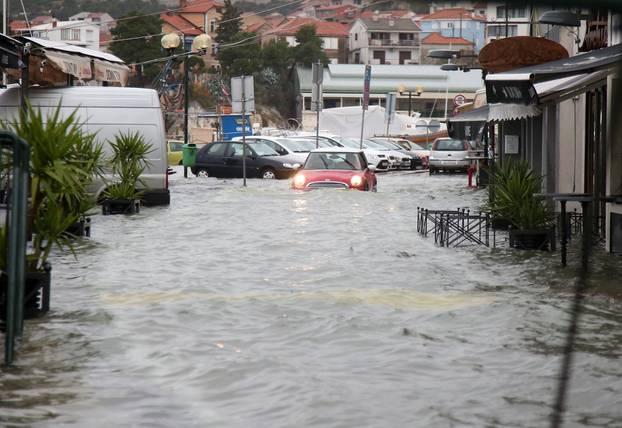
x=200, y=46
x=418, y=91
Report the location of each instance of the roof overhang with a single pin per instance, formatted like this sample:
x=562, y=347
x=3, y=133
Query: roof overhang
x=9, y=52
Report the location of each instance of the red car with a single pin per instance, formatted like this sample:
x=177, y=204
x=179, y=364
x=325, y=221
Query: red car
x=337, y=168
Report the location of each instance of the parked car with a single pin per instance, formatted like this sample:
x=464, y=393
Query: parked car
x=449, y=155
x=284, y=146
x=409, y=159
x=336, y=168
x=174, y=151
x=223, y=159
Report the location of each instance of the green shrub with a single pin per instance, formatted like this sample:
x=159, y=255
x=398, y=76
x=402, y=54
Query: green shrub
x=128, y=162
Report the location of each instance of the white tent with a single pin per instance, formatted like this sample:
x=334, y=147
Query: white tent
x=346, y=121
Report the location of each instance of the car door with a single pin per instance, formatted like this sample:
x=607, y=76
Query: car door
x=214, y=159
x=233, y=160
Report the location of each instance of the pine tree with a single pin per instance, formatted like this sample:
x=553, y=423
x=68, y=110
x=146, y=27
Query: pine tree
x=229, y=24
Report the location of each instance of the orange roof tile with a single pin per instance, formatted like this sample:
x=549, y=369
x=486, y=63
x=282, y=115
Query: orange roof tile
x=451, y=14
x=322, y=28
x=439, y=39
x=200, y=6
x=181, y=24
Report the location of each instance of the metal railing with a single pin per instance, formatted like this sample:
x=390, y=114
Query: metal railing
x=14, y=160
x=453, y=228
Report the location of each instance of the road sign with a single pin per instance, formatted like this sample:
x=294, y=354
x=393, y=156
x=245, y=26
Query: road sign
x=389, y=111
x=318, y=72
x=242, y=94
x=459, y=100
x=316, y=90
x=366, y=86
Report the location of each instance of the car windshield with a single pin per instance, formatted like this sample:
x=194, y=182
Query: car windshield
x=416, y=146
x=344, y=161
x=449, y=145
x=262, y=149
x=298, y=146
x=369, y=144
x=176, y=146
x=388, y=145
x=322, y=143
x=353, y=143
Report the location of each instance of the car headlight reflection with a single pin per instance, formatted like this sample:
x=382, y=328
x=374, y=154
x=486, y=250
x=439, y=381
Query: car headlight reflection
x=299, y=181
x=356, y=180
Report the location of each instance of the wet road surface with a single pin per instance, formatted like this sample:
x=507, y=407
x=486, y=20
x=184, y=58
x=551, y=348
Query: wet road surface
x=264, y=307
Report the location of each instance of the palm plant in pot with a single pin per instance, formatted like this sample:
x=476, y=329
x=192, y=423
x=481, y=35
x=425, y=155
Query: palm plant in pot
x=128, y=162
x=514, y=186
x=64, y=160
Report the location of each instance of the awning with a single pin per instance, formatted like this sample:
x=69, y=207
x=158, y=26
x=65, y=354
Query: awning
x=469, y=125
x=75, y=65
x=106, y=71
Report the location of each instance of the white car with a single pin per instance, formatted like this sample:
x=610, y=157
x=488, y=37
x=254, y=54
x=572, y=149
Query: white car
x=283, y=146
x=375, y=157
x=397, y=159
x=449, y=155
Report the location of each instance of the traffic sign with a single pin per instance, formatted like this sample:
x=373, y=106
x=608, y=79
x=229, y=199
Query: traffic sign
x=459, y=100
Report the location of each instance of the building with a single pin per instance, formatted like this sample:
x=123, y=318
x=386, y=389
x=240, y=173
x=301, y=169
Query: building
x=193, y=18
x=384, y=41
x=477, y=8
x=435, y=41
x=104, y=20
x=70, y=32
x=334, y=36
x=342, y=86
x=453, y=23
x=561, y=117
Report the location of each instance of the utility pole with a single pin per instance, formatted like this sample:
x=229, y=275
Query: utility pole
x=366, y=83
x=316, y=97
x=5, y=25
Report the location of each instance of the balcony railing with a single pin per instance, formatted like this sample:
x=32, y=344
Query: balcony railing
x=389, y=42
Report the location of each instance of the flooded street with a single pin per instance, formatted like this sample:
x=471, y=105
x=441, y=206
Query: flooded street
x=265, y=307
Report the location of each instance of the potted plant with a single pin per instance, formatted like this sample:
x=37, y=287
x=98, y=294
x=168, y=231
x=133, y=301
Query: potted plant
x=63, y=162
x=530, y=219
x=128, y=162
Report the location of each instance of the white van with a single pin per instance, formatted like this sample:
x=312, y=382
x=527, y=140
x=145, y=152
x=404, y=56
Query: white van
x=106, y=111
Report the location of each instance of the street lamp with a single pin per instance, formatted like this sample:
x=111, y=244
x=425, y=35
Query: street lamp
x=447, y=54
x=200, y=46
x=418, y=91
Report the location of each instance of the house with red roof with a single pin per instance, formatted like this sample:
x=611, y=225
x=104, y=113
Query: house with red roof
x=193, y=18
x=334, y=36
x=455, y=22
x=384, y=41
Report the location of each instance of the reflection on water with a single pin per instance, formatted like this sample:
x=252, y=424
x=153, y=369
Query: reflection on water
x=266, y=307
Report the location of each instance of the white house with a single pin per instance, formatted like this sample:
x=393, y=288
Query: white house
x=384, y=41
x=76, y=33
x=103, y=19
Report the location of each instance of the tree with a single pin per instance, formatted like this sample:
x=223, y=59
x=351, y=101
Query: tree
x=309, y=48
x=141, y=49
x=241, y=57
x=229, y=25
x=277, y=55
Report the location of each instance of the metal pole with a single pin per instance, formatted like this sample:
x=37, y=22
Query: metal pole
x=186, y=107
x=410, y=103
x=243, y=132
x=362, y=126
x=446, y=89
x=317, y=119
x=5, y=20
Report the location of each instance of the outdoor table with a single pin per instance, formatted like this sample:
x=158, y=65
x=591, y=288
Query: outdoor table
x=563, y=198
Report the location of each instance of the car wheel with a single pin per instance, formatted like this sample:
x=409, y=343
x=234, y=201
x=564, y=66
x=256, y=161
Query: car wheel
x=200, y=172
x=268, y=174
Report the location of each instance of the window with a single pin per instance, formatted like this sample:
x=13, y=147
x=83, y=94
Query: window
x=216, y=149
x=499, y=30
x=89, y=36
x=75, y=34
x=450, y=25
x=65, y=34
x=214, y=48
x=212, y=25
x=513, y=12
x=356, y=36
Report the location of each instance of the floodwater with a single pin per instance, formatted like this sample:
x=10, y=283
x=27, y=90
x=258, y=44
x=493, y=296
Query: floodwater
x=264, y=307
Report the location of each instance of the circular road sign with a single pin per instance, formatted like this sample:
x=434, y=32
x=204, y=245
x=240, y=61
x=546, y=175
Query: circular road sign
x=459, y=100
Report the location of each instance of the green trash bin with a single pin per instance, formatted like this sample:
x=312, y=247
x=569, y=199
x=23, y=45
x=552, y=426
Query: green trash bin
x=189, y=154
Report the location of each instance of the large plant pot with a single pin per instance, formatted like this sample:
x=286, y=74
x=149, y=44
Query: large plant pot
x=37, y=286
x=500, y=223
x=120, y=206
x=530, y=239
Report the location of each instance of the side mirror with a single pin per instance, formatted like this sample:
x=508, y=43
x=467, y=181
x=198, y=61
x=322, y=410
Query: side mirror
x=371, y=167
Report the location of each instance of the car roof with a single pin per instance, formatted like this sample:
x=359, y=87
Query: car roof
x=336, y=150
